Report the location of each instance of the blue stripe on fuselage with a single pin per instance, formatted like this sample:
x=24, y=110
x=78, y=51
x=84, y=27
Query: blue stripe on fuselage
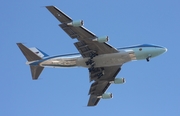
x=56, y=56
x=142, y=45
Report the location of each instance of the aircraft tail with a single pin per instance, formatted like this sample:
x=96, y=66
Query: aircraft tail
x=38, y=52
x=32, y=55
x=36, y=71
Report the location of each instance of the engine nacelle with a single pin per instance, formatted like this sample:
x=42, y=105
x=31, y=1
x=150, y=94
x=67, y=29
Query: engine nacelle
x=118, y=81
x=101, y=39
x=106, y=96
x=76, y=23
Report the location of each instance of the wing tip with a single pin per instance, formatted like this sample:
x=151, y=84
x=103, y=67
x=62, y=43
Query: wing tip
x=19, y=44
x=93, y=101
x=51, y=6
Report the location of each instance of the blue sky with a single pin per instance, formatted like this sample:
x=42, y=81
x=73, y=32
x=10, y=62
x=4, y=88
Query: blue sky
x=152, y=89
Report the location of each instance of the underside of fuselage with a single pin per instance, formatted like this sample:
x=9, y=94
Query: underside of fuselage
x=104, y=60
x=124, y=55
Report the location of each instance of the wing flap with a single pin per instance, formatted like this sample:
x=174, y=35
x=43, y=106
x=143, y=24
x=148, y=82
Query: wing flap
x=83, y=48
x=77, y=32
x=109, y=73
x=98, y=87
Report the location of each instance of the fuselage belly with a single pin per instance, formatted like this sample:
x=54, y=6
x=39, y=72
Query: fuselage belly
x=105, y=60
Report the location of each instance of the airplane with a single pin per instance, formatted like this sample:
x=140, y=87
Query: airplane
x=102, y=60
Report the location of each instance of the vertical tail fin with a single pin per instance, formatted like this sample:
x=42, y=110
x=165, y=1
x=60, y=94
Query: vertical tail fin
x=38, y=52
x=31, y=56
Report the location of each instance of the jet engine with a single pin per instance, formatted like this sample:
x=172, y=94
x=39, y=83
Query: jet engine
x=76, y=23
x=118, y=81
x=106, y=96
x=101, y=39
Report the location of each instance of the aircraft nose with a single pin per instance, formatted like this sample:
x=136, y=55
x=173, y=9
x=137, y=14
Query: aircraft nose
x=165, y=49
x=162, y=50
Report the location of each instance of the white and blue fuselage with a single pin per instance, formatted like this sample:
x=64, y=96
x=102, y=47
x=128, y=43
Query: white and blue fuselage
x=126, y=54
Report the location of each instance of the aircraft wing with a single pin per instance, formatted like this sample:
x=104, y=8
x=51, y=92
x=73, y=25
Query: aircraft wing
x=85, y=45
x=100, y=86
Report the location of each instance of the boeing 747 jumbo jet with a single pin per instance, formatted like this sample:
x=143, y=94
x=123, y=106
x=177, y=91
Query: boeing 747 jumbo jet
x=102, y=60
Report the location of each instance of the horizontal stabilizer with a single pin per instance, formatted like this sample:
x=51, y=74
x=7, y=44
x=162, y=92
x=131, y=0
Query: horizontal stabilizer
x=30, y=56
x=36, y=71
